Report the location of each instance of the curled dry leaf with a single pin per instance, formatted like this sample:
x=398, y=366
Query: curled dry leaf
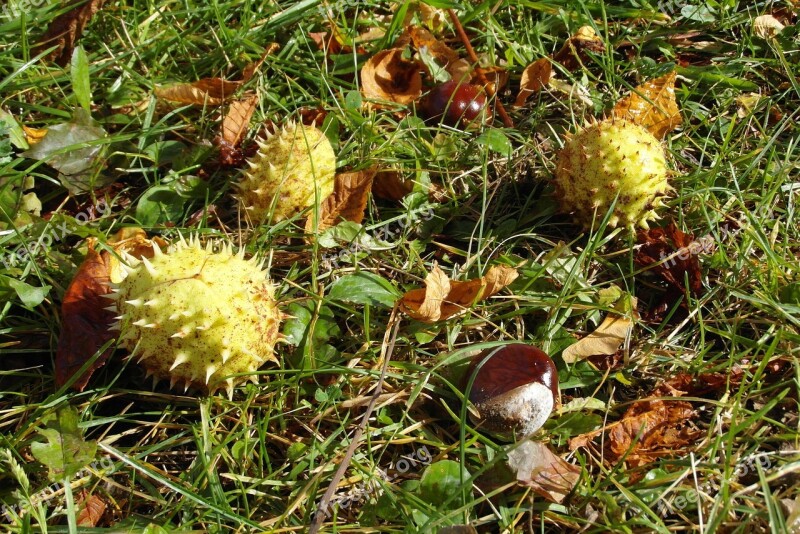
x=66, y=29
x=611, y=333
x=347, y=202
x=207, y=91
x=674, y=257
x=388, y=76
x=767, y=26
x=539, y=73
x=443, y=298
x=653, y=106
x=391, y=185
x=534, y=78
x=421, y=37
x=540, y=469
x=84, y=317
x=649, y=429
x=574, y=51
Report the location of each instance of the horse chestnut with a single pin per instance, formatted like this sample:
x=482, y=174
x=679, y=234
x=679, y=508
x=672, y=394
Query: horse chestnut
x=457, y=104
x=514, y=390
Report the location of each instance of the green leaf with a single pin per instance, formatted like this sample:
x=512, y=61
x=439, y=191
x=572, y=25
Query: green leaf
x=159, y=204
x=15, y=132
x=30, y=296
x=441, y=481
x=79, y=70
x=65, y=452
x=496, y=141
x=364, y=288
x=790, y=294
x=298, y=332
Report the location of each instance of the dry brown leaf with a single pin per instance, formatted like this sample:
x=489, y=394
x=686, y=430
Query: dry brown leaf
x=92, y=507
x=391, y=185
x=443, y=54
x=207, y=91
x=84, y=319
x=611, y=333
x=461, y=69
x=250, y=70
x=237, y=119
x=539, y=468
x=493, y=78
x=653, y=106
x=348, y=200
x=650, y=428
x=767, y=26
x=66, y=29
x=573, y=53
x=534, y=77
x=443, y=298
x=387, y=76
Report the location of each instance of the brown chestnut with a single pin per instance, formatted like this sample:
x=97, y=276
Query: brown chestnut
x=515, y=389
x=457, y=104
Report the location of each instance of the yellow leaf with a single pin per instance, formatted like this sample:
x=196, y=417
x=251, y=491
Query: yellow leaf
x=604, y=341
x=34, y=135
x=443, y=298
x=653, y=106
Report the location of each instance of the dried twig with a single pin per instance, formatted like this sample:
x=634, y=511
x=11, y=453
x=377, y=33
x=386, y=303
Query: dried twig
x=388, y=348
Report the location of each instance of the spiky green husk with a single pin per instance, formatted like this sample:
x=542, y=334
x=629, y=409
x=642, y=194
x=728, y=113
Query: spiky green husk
x=294, y=169
x=197, y=317
x=608, y=160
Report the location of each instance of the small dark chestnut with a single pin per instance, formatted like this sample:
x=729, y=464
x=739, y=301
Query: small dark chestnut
x=457, y=104
x=514, y=391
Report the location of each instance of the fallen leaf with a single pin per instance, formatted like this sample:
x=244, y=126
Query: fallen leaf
x=34, y=135
x=421, y=37
x=653, y=106
x=391, y=185
x=348, y=200
x=92, y=507
x=540, y=469
x=84, y=320
x=574, y=51
x=73, y=149
x=66, y=29
x=494, y=78
x=443, y=298
x=767, y=26
x=534, y=77
x=250, y=70
x=387, y=76
x=673, y=256
x=606, y=339
x=649, y=429
x=237, y=119
x=206, y=91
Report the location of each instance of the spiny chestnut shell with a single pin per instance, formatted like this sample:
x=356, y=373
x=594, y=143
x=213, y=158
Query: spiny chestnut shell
x=457, y=104
x=607, y=158
x=514, y=391
x=198, y=317
x=293, y=169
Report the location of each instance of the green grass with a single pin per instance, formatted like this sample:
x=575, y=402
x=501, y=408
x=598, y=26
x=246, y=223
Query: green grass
x=263, y=459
